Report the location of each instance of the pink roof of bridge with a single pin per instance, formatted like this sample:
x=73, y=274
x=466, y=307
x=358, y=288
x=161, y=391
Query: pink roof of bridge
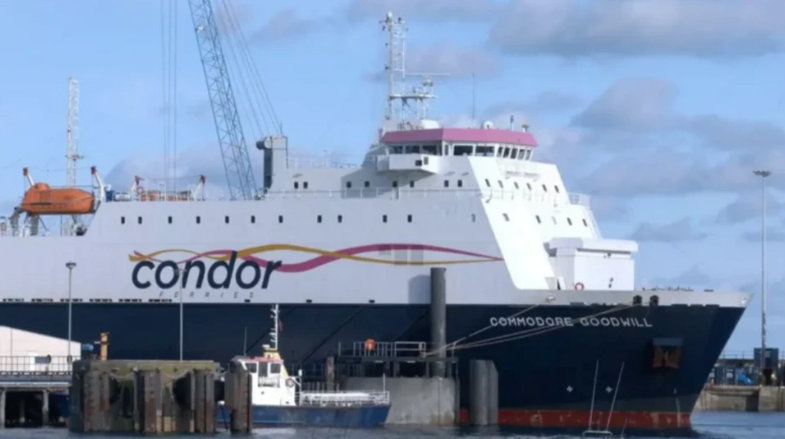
x=469, y=135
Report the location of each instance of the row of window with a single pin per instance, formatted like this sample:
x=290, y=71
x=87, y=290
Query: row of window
x=493, y=150
x=367, y=184
x=339, y=219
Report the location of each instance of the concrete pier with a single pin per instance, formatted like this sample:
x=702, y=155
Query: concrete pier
x=148, y=397
x=742, y=399
x=414, y=401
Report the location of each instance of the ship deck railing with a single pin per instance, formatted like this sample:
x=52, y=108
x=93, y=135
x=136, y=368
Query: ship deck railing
x=28, y=365
x=345, y=398
x=385, y=349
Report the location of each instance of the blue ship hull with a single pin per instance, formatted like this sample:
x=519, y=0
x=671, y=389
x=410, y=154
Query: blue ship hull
x=545, y=377
x=342, y=417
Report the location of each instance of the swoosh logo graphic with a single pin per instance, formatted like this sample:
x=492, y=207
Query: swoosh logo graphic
x=323, y=256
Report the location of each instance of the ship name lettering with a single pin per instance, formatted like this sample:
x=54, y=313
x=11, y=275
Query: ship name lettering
x=219, y=276
x=536, y=322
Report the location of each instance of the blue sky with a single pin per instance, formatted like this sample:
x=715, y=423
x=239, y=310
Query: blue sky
x=660, y=109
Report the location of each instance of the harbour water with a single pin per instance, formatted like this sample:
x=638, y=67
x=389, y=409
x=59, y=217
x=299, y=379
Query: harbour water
x=715, y=425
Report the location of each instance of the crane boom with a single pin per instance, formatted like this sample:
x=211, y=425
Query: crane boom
x=237, y=164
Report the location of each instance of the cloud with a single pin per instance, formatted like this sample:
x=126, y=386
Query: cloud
x=553, y=101
x=681, y=230
x=286, y=24
x=696, y=28
x=609, y=208
x=747, y=206
x=631, y=104
x=773, y=234
x=426, y=10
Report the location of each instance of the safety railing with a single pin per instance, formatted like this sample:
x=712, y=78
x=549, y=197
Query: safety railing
x=36, y=365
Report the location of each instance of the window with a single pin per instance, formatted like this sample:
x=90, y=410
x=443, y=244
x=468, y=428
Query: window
x=446, y=183
x=569, y=221
x=122, y=220
x=460, y=183
x=395, y=184
x=280, y=219
x=528, y=185
x=516, y=185
x=198, y=220
x=474, y=218
x=411, y=183
x=501, y=185
x=169, y=219
x=318, y=218
x=539, y=221
x=305, y=185
x=585, y=223
x=253, y=219
x=557, y=189
x=484, y=151
x=226, y=219
x=384, y=218
x=340, y=218
x=545, y=188
x=348, y=185
x=462, y=150
x=506, y=217
x=139, y=220
x=487, y=183
x=296, y=185
x=409, y=218
x=367, y=184
x=553, y=218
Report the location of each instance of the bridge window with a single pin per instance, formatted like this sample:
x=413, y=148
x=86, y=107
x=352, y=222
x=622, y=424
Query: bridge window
x=484, y=151
x=412, y=149
x=431, y=149
x=397, y=149
x=462, y=150
x=514, y=153
x=506, y=152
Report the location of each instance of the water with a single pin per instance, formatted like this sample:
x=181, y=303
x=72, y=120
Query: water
x=708, y=425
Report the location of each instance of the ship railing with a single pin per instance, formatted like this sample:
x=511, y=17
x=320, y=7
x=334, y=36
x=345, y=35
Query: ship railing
x=388, y=349
x=36, y=365
x=318, y=162
x=345, y=398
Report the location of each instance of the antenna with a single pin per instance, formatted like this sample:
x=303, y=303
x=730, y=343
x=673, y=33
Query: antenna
x=72, y=145
x=474, y=101
x=274, y=332
x=396, y=76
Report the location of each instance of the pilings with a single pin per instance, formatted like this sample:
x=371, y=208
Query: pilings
x=438, y=318
x=149, y=397
x=483, y=393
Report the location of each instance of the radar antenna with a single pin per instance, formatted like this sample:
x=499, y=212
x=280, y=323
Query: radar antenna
x=72, y=148
x=395, y=69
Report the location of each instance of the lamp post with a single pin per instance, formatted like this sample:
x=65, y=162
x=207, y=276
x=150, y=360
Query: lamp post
x=763, y=174
x=70, y=265
x=180, y=282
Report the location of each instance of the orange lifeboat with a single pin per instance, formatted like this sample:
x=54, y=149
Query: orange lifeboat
x=41, y=199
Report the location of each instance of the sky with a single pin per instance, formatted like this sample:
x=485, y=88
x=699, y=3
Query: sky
x=658, y=109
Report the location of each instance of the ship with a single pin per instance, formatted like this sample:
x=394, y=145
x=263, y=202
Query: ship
x=346, y=250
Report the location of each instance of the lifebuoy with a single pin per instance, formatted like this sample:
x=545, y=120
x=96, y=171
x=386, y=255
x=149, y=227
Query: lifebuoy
x=370, y=344
x=579, y=286
x=289, y=382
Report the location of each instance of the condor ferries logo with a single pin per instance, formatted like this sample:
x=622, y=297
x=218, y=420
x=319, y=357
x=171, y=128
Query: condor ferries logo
x=241, y=272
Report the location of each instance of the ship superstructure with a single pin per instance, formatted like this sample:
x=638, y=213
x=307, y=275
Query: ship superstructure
x=346, y=251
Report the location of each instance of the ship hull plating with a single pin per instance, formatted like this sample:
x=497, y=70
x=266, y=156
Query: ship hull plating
x=650, y=363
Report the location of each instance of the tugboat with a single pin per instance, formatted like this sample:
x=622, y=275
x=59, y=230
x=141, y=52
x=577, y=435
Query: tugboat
x=278, y=399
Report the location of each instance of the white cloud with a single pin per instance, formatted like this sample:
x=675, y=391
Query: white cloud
x=698, y=28
x=681, y=230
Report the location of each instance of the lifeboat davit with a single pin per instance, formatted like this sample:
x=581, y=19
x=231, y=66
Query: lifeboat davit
x=41, y=199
